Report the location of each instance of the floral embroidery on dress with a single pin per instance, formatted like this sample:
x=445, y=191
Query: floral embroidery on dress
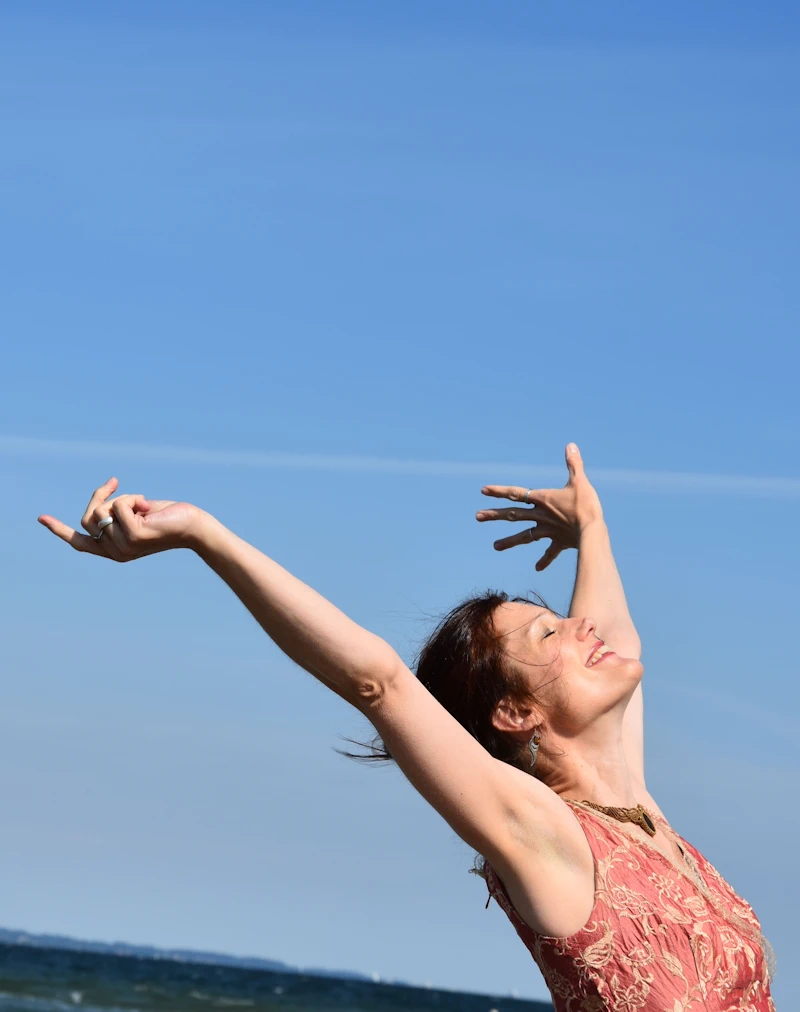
x=657, y=939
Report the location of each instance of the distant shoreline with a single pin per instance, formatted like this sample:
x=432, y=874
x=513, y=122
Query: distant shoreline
x=46, y=941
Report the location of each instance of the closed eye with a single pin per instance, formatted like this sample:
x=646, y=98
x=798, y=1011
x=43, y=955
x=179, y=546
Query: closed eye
x=550, y=632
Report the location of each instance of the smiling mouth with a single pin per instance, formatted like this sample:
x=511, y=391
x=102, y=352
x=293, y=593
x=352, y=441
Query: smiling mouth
x=600, y=651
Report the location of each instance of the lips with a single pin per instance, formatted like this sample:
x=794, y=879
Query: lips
x=593, y=651
x=599, y=652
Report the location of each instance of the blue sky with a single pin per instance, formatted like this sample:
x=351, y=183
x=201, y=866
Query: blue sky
x=347, y=235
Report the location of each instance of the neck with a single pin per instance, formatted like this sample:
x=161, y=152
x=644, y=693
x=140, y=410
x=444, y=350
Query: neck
x=592, y=771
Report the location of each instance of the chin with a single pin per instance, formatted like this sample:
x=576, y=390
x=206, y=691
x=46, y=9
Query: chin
x=629, y=668
x=633, y=668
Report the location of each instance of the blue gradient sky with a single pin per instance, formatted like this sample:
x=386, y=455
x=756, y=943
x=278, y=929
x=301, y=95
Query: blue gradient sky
x=439, y=232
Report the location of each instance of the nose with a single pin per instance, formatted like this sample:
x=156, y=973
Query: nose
x=586, y=628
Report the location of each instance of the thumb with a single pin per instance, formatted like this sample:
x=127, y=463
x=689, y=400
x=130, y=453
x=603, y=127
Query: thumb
x=574, y=460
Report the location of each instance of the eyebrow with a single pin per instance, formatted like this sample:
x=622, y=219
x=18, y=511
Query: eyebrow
x=541, y=614
x=528, y=625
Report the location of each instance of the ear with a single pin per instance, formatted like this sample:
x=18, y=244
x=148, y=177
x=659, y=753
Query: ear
x=511, y=716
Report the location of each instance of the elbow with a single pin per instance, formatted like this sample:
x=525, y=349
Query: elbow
x=372, y=686
x=369, y=692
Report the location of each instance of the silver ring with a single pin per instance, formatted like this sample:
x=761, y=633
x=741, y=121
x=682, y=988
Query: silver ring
x=527, y=500
x=531, y=532
x=101, y=526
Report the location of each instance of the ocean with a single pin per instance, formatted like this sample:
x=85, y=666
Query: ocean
x=37, y=979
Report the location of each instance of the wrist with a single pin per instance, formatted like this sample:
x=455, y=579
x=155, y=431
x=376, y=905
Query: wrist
x=592, y=522
x=203, y=533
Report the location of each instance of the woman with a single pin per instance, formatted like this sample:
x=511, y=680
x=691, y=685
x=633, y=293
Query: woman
x=523, y=729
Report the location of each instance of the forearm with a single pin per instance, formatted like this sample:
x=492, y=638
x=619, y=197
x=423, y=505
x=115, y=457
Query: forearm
x=599, y=593
x=353, y=662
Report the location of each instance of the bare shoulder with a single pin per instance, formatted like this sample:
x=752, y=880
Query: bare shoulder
x=547, y=866
x=529, y=835
x=495, y=808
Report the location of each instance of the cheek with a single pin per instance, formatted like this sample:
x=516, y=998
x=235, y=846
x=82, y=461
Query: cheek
x=547, y=679
x=541, y=668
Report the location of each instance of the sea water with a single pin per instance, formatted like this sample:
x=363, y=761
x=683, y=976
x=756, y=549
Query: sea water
x=36, y=979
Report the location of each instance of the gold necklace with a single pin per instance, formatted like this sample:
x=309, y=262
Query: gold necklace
x=639, y=815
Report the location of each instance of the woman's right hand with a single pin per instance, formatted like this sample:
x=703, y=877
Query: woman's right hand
x=141, y=526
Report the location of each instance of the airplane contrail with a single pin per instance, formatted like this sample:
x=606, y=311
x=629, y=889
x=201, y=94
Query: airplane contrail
x=491, y=471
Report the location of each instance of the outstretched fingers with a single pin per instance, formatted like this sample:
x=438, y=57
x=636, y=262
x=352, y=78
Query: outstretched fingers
x=514, y=492
x=522, y=538
x=529, y=535
x=550, y=555
x=507, y=514
x=80, y=542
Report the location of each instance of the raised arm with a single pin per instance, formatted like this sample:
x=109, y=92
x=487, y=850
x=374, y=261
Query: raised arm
x=599, y=594
x=598, y=588
x=572, y=517
x=482, y=798
x=355, y=663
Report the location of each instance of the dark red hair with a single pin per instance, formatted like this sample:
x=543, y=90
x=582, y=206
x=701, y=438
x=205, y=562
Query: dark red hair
x=463, y=666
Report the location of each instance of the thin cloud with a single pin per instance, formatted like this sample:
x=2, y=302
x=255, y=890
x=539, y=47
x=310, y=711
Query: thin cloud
x=491, y=471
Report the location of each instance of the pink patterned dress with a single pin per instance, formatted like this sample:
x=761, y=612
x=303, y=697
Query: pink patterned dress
x=658, y=939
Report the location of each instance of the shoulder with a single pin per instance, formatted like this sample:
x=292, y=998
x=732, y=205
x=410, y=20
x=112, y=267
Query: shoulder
x=544, y=827
x=545, y=877
x=502, y=812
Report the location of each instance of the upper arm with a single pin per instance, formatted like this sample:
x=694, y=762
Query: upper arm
x=491, y=805
x=633, y=736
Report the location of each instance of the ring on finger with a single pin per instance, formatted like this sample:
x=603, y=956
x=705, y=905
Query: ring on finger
x=531, y=534
x=101, y=526
x=527, y=500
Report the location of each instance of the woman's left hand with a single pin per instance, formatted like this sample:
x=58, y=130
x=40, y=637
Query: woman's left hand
x=559, y=514
x=140, y=526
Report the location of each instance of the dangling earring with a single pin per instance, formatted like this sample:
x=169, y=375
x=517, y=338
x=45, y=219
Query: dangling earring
x=533, y=745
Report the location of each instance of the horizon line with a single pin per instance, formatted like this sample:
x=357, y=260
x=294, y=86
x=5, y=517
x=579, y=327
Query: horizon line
x=663, y=481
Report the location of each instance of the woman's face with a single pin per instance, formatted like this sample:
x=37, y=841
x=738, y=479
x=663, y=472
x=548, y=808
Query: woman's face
x=573, y=675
